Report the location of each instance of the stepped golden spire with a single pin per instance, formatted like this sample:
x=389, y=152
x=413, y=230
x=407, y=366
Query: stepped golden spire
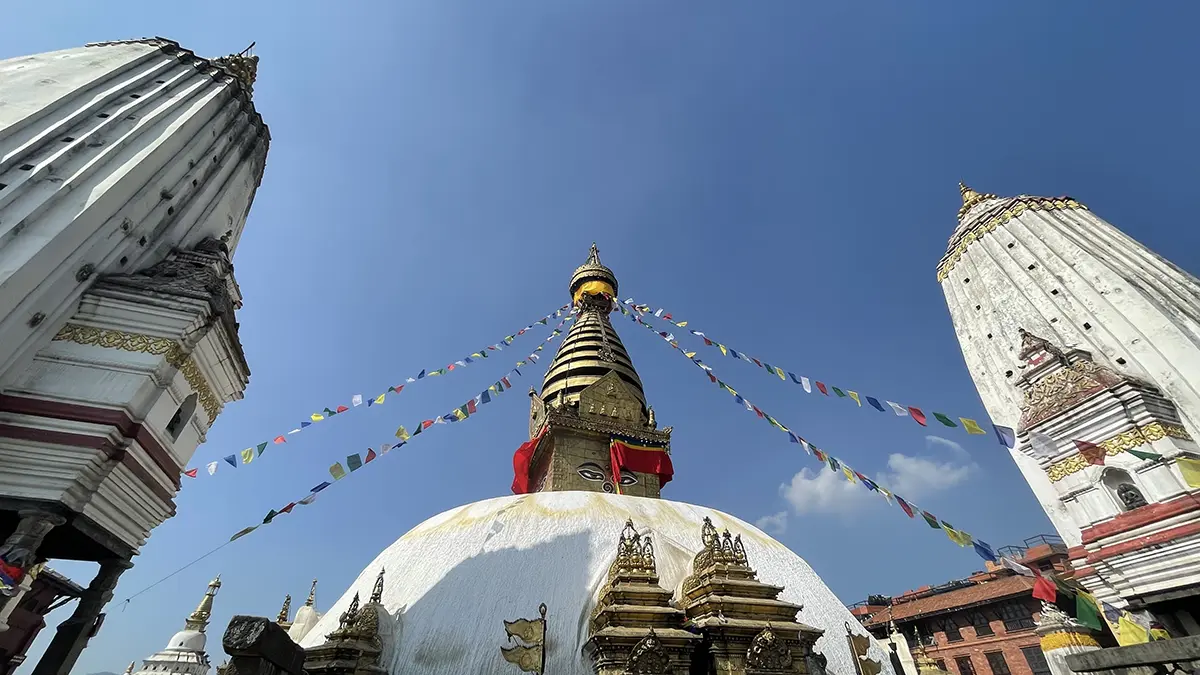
x=970, y=198
x=198, y=620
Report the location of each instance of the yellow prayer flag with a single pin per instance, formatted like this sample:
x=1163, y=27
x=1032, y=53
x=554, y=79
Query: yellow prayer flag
x=681, y=324
x=247, y=455
x=379, y=398
x=957, y=536
x=971, y=426
x=1130, y=632
x=849, y=474
x=690, y=355
x=458, y=412
x=402, y=433
x=779, y=372
x=722, y=348
x=854, y=395
x=317, y=417
x=1190, y=468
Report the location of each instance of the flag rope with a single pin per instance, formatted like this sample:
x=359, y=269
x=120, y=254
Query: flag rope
x=248, y=455
x=356, y=461
x=1006, y=435
x=960, y=537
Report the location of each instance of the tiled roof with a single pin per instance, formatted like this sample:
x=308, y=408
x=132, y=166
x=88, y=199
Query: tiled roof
x=1002, y=587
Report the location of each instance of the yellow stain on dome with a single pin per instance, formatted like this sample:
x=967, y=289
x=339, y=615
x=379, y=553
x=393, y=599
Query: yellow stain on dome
x=647, y=513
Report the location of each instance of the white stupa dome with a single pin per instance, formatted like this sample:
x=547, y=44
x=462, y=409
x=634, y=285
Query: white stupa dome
x=451, y=581
x=306, y=618
x=192, y=640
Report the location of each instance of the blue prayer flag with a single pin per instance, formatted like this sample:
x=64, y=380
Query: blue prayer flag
x=875, y=403
x=1006, y=435
x=232, y=459
x=984, y=550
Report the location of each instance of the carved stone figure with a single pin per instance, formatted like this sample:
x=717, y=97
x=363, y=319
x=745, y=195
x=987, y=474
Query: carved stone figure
x=768, y=651
x=1130, y=496
x=648, y=657
x=651, y=421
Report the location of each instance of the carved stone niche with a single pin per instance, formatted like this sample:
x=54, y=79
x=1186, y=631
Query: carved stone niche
x=634, y=629
x=610, y=399
x=747, y=630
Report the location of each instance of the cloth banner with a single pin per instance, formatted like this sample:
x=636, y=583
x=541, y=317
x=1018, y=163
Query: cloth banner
x=625, y=454
x=521, y=464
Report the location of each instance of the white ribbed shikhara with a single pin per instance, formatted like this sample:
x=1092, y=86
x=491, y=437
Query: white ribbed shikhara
x=451, y=581
x=110, y=155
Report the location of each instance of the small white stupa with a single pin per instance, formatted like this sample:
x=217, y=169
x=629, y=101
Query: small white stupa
x=184, y=654
x=306, y=617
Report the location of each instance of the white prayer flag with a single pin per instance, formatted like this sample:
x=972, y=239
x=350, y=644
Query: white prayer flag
x=356, y=400
x=212, y=468
x=804, y=383
x=901, y=411
x=1016, y=566
x=1043, y=445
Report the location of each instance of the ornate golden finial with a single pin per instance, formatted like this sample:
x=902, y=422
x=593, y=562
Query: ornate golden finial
x=635, y=554
x=970, y=198
x=377, y=591
x=287, y=609
x=594, y=254
x=348, y=616
x=198, y=620
x=243, y=66
x=312, y=594
x=129, y=670
x=723, y=548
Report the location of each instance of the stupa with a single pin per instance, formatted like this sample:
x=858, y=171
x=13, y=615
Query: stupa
x=587, y=570
x=185, y=653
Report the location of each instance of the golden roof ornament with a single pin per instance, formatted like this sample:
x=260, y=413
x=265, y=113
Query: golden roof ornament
x=198, y=620
x=722, y=548
x=312, y=594
x=635, y=554
x=970, y=198
x=243, y=66
x=287, y=609
x=377, y=590
x=593, y=278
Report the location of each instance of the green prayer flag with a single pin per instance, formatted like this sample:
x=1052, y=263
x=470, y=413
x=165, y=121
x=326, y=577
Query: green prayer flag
x=270, y=516
x=839, y=392
x=354, y=462
x=261, y=448
x=543, y=322
x=1086, y=612
x=1144, y=455
x=243, y=533
x=944, y=420
x=929, y=518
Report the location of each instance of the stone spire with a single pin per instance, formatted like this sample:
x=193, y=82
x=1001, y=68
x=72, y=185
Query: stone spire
x=970, y=198
x=282, y=619
x=198, y=620
x=592, y=348
x=312, y=594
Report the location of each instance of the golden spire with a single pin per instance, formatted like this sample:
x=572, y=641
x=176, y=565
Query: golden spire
x=970, y=198
x=287, y=609
x=129, y=670
x=312, y=594
x=198, y=620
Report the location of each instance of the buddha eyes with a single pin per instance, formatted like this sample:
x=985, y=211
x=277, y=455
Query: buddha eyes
x=591, y=472
x=628, y=478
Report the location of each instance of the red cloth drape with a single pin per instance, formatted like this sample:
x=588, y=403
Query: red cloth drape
x=640, y=458
x=521, y=461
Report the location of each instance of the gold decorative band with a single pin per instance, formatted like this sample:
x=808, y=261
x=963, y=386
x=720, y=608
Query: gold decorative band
x=1022, y=204
x=146, y=344
x=1067, y=639
x=1116, y=445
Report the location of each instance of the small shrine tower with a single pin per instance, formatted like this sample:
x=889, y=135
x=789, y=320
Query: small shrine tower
x=592, y=396
x=127, y=171
x=185, y=654
x=1088, y=345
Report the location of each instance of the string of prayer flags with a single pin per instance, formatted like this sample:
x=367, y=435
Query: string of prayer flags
x=1005, y=435
x=960, y=537
x=357, y=461
x=358, y=399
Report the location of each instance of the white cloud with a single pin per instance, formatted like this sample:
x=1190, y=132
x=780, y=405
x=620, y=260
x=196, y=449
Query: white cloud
x=822, y=492
x=776, y=524
x=912, y=477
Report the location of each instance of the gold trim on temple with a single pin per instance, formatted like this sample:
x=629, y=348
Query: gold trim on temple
x=1116, y=445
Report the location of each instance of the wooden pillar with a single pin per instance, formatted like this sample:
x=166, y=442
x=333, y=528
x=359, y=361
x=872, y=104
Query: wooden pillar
x=73, y=634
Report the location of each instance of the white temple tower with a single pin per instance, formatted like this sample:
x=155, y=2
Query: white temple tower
x=127, y=170
x=1074, y=332
x=185, y=653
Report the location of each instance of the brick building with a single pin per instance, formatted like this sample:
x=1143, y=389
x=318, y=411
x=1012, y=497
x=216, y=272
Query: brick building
x=981, y=625
x=25, y=617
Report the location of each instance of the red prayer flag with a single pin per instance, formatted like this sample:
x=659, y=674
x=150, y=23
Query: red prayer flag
x=1043, y=589
x=821, y=386
x=370, y=455
x=426, y=424
x=471, y=407
x=288, y=508
x=907, y=509
x=1093, y=453
x=521, y=462
x=280, y=439
x=397, y=389
x=641, y=458
x=342, y=408
x=708, y=342
x=450, y=367
x=191, y=473
x=756, y=410
x=711, y=376
x=917, y=415
x=756, y=362
x=505, y=381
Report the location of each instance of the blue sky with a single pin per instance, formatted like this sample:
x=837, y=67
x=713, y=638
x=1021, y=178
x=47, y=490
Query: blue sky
x=781, y=174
